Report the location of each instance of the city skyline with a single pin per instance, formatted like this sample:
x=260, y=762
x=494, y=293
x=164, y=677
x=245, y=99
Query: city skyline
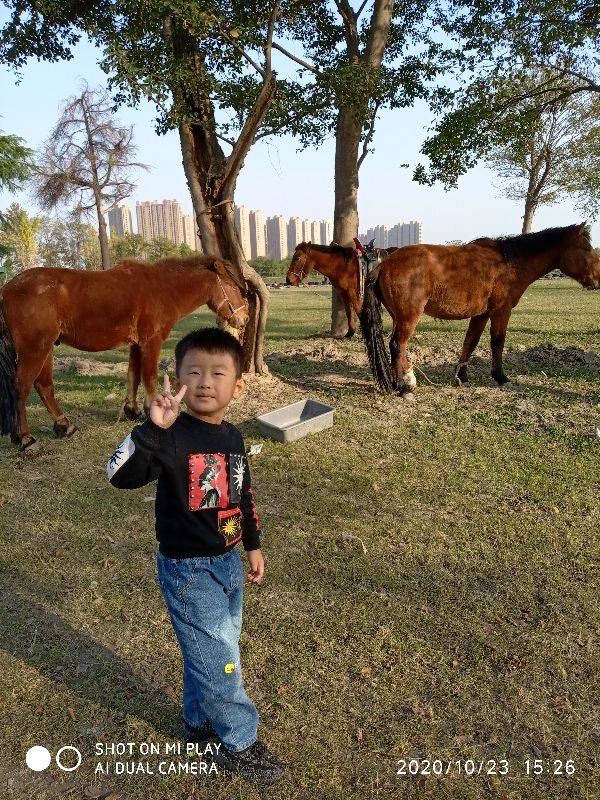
x=273, y=237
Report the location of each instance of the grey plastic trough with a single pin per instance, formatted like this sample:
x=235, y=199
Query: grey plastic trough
x=296, y=420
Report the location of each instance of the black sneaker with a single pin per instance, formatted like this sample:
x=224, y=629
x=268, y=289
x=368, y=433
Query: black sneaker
x=255, y=763
x=203, y=735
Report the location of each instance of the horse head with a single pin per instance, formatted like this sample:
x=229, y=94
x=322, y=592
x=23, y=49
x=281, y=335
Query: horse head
x=301, y=265
x=579, y=260
x=228, y=298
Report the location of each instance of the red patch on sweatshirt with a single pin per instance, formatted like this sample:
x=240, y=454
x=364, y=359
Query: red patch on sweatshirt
x=230, y=525
x=207, y=481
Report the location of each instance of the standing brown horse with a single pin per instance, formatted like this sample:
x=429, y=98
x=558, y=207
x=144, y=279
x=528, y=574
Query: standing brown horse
x=134, y=303
x=481, y=280
x=339, y=264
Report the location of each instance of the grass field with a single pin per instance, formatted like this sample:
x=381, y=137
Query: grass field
x=431, y=586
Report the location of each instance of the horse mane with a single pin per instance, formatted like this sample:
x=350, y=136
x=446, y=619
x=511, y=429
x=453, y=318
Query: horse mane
x=347, y=252
x=187, y=262
x=527, y=245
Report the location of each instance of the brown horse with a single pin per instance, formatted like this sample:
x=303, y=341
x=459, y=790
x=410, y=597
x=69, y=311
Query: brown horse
x=134, y=303
x=339, y=264
x=481, y=280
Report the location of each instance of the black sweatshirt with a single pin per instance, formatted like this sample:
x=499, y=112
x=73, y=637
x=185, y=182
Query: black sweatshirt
x=204, y=502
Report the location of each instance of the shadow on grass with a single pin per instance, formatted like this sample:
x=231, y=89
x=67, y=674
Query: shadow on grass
x=40, y=638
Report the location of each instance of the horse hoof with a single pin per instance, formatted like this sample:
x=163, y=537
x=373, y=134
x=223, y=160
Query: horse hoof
x=62, y=431
x=30, y=447
x=408, y=397
x=349, y=335
x=129, y=413
x=458, y=381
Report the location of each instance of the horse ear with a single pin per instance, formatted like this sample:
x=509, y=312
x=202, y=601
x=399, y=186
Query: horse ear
x=225, y=268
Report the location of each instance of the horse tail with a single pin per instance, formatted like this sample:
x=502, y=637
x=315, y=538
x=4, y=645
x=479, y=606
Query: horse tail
x=9, y=416
x=372, y=331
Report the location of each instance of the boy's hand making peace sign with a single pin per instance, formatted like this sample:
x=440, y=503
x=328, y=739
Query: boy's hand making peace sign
x=165, y=408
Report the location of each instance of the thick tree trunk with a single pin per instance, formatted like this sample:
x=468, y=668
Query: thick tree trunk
x=205, y=167
x=345, y=215
x=528, y=215
x=349, y=128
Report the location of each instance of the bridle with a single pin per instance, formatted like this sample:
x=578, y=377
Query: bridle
x=300, y=275
x=226, y=299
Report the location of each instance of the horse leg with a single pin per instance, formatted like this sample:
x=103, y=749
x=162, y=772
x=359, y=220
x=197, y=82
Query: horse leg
x=44, y=386
x=27, y=371
x=472, y=337
x=130, y=408
x=150, y=351
x=348, y=307
x=403, y=371
x=498, y=337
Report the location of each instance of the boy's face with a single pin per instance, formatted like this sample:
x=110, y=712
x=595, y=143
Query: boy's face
x=211, y=382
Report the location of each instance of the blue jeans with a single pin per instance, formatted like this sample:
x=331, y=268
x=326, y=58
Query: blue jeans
x=204, y=599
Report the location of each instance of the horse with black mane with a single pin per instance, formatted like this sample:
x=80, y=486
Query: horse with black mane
x=483, y=280
x=135, y=303
x=339, y=264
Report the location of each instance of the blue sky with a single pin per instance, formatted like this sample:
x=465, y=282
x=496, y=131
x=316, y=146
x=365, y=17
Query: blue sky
x=276, y=178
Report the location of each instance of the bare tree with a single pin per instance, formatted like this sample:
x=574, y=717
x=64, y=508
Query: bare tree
x=87, y=160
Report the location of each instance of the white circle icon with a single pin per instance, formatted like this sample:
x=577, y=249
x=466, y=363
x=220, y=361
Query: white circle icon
x=62, y=749
x=38, y=758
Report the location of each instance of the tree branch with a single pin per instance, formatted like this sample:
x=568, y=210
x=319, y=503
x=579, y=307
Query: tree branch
x=270, y=30
x=297, y=59
x=361, y=8
x=241, y=51
x=368, y=137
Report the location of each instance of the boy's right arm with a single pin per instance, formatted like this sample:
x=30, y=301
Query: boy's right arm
x=134, y=463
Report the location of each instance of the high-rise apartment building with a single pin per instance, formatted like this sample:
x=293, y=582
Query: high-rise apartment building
x=315, y=233
x=326, y=231
x=241, y=219
x=306, y=230
x=400, y=235
x=150, y=220
x=257, y=234
x=277, y=237
x=190, y=232
x=173, y=221
x=119, y=220
x=294, y=233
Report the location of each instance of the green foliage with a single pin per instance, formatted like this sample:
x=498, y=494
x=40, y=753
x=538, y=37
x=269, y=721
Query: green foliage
x=17, y=240
x=15, y=162
x=161, y=248
x=67, y=242
x=132, y=245
x=490, y=100
x=267, y=267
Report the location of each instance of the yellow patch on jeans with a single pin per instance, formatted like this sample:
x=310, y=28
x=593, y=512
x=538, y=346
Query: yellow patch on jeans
x=229, y=668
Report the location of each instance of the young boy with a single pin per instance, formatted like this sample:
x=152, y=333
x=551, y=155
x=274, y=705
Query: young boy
x=204, y=506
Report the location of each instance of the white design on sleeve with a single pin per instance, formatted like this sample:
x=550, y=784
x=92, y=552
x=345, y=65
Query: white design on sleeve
x=238, y=472
x=122, y=454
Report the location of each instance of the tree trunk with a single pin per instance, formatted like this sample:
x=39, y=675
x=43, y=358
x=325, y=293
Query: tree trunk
x=102, y=235
x=205, y=167
x=345, y=217
x=528, y=215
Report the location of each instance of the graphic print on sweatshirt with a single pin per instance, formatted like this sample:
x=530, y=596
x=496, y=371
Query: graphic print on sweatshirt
x=214, y=480
x=207, y=481
x=230, y=525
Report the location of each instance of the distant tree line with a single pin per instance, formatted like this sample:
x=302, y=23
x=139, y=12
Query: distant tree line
x=44, y=241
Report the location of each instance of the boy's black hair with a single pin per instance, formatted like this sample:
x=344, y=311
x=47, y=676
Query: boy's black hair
x=211, y=340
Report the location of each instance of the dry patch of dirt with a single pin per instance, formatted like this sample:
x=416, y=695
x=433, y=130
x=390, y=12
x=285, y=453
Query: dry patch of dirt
x=88, y=366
